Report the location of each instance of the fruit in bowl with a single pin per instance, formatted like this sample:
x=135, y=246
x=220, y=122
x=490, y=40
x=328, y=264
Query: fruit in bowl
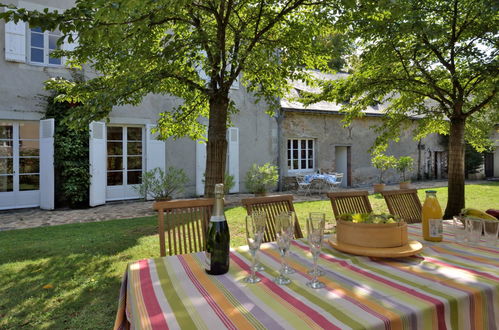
x=370, y=218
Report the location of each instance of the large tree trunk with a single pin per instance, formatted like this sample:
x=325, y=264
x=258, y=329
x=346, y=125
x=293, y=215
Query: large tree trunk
x=216, y=151
x=456, y=168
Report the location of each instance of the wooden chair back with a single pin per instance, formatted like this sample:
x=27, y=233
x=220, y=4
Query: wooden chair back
x=185, y=223
x=350, y=202
x=404, y=203
x=272, y=206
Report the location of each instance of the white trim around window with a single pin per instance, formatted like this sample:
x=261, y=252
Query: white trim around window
x=301, y=155
x=39, y=46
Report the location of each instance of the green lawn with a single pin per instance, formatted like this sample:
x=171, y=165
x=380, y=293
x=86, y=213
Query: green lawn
x=81, y=265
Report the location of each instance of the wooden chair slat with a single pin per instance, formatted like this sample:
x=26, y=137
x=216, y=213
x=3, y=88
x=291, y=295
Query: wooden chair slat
x=404, y=203
x=272, y=206
x=183, y=223
x=350, y=202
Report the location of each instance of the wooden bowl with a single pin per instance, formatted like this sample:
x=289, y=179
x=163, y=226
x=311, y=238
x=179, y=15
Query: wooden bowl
x=374, y=235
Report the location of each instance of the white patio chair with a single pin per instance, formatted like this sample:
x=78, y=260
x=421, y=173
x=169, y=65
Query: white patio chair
x=303, y=186
x=333, y=186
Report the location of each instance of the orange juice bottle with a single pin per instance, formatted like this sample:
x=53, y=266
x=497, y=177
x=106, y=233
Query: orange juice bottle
x=432, y=218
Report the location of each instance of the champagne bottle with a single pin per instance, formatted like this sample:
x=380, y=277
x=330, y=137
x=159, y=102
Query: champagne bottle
x=218, y=238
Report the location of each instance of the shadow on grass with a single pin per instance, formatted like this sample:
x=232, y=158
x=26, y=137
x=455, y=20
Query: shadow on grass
x=68, y=277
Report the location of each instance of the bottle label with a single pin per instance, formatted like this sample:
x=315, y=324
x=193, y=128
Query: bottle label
x=435, y=227
x=207, y=261
x=217, y=218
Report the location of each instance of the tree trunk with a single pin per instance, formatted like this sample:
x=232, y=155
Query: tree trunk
x=455, y=200
x=216, y=151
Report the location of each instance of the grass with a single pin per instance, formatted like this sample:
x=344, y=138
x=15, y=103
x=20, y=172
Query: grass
x=68, y=277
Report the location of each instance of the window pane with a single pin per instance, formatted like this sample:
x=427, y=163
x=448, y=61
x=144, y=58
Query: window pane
x=37, y=40
x=29, y=148
x=37, y=29
x=134, y=163
x=134, y=177
x=289, y=154
x=114, y=178
x=5, y=148
x=29, y=165
x=310, y=154
x=295, y=164
x=303, y=164
x=310, y=144
x=29, y=130
x=54, y=60
x=115, y=148
x=303, y=154
x=295, y=144
x=289, y=164
x=134, y=148
x=6, y=131
x=289, y=144
x=303, y=144
x=114, y=163
x=29, y=182
x=36, y=55
x=6, y=183
x=53, y=42
x=6, y=166
x=310, y=163
x=134, y=133
x=114, y=133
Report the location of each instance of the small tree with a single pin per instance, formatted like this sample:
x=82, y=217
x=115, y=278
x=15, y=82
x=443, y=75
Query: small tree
x=162, y=185
x=404, y=164
x=261, y=178
x=383, y=163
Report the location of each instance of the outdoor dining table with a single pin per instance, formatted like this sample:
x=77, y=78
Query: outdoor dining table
x=448, y=285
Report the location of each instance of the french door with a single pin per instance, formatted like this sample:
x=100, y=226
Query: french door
x=125, y=160
x=19, y=164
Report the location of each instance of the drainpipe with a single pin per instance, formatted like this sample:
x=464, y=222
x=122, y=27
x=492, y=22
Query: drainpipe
x=279, y=117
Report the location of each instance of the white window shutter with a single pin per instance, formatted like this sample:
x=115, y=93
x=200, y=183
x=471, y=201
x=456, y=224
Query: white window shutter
x=233, y=148
x=47, y=191
x=15, y=42
x=98, y=167
x=155, y=150
x=200, y=166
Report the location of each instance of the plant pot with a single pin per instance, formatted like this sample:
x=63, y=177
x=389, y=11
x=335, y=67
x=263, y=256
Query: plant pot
x=372, y=235
x=405, y=185
x=378, y=187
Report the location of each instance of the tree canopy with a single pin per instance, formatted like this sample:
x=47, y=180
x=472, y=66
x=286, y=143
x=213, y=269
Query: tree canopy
x=192, y=49
x=436, y=60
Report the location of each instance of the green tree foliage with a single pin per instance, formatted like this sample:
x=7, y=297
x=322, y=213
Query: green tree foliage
x=192, y=49
x=430, y=59
x=72, y=179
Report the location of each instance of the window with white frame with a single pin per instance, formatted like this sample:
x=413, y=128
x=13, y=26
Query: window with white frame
x=41, y=45
x=301, y=154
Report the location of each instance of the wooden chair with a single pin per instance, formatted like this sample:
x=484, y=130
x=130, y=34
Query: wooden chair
x=186, y=224
x=349, y=202
x=404, y=203
x=272, y=206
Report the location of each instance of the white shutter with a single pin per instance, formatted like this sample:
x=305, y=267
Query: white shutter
x=155, y=150
x=97, y=151
x=15, y=42
x=47, y=127
x=233, y=148
x=200, y=166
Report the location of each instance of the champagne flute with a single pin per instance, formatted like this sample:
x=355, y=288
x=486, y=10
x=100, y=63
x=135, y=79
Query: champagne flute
x=316, y=271
x=255, y=227
x=283, y=225
x=287, y=269
x=315, y=231
x=258, y=266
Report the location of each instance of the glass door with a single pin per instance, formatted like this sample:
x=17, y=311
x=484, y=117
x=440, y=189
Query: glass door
x=124, y=161
x=19, y=164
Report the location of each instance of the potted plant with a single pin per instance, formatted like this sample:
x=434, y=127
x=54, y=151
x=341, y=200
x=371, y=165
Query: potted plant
x=259, y=179
x=229, y=182
x=382, y=163
x=161, y=185
x=404, y=164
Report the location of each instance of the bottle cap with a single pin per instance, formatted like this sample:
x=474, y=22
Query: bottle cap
x=219, y=189
x=431, y=191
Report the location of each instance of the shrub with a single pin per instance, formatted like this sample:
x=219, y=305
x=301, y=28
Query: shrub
x=383, y=163
x=404, y=164
x=161, y=185
x=229, y=182
x=259, y=179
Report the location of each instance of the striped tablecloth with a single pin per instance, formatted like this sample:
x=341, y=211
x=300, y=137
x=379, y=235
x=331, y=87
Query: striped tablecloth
x=446, y=286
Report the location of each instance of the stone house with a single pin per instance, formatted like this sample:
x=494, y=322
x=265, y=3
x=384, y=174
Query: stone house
x=313, y=138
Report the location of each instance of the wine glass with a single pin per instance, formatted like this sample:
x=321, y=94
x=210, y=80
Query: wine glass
x=317, y=271
x=315, y=233
x=284, y=233
x=255, y=227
